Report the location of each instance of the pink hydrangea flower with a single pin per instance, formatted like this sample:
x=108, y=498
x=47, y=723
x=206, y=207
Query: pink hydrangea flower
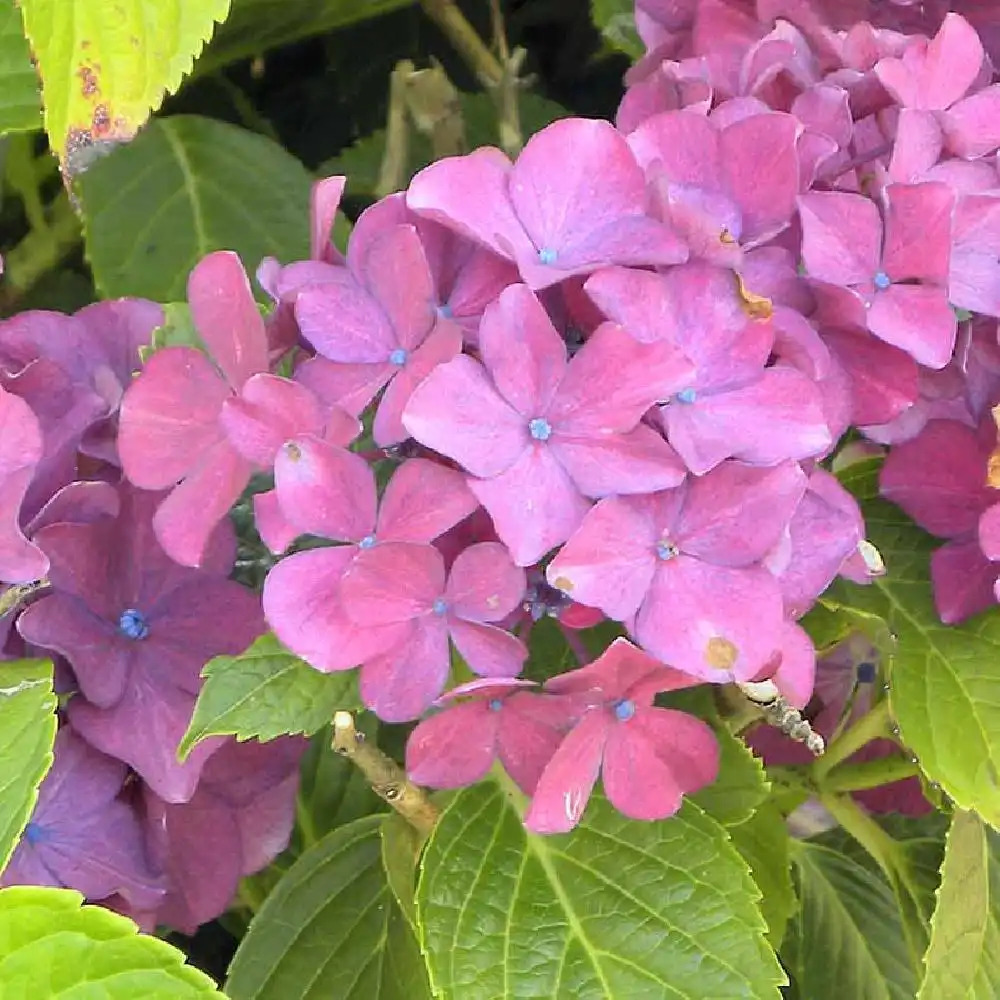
x=542, y=433
x=649, y=758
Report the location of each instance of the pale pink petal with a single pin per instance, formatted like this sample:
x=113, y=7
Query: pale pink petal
x=522, y=351
x=393, y=582
x=324, y=200
x=488, y=650
x=655, y=758
x=682, y=144
x=422, y=501
x=534, y=504
x=457, y=411
x=972, y=126
x=454, y=748
x=186, y=519
x=325, y=490
x=796, y=674
x=841, y=237
x=565, y=785
x=641, y=301
x=302, y=606
x=275, y=530
x=609, y=562
x=227, y=318
x=483, y=584
x=917, y=319
x=170, y=417
x=918, y=145
x=345, y=323
x=989, y=532
x=350, y=387
x=402, y=684
x=918, y=231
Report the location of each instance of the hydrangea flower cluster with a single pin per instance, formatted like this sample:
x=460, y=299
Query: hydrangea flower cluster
x=118, y=817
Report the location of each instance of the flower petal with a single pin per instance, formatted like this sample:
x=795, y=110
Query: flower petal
x=841, y=237
x=422, y=501
x=392, y=582
x=454, y=748
x=488, y=650
x=483, y=584
x=918, y=319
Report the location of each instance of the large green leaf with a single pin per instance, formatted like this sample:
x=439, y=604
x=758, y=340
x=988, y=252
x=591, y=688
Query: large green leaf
x=266, y=692
x=27, y=732
x=615, y=910
x=331, y=929
x=945, y=693
x=186, y=186
x=254, y=26
x=20, y=101
x=846, y=940
x=105, y=66
x=52, y=947
x=963, y=959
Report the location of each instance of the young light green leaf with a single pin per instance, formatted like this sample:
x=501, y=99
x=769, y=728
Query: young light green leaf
x=331, y=928
x=943, y=677
x=615, y=19
x=265, y=692
x=104, y=66
x=764, y=843
x=51, y=947
x=613, y=911
x=27, y=733
x=185, y=187
x=962, y=961
x=846, y=940
x=20, y=100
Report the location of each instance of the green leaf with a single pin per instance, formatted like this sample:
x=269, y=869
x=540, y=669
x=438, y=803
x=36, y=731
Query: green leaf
x=254, y=26
x=27, y=733
x=846, y=939
x=331, y=929
x=616, y=909
x=105, y=66
x=548, y=652
x=764, y=843
x=266, y=692
x=961, y=962
x=177, y=331
x=615, y=19
x=943, y=677
x=401, y=844
x=52, y=947
x=185, y=187
x=20, y=100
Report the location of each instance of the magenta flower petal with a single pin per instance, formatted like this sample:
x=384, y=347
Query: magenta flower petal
x=275, y=530
x=988, y=531
x=534, y=504
x=568, y=779
x=841, y=237
x=345, y=323
x=325, y=490
x=918, y=231
x=963, y=580
x=441, y=345
x=193, y=509
x=350, y=387
x=918, y=319
x=457, y=411
x=530, y=731
x=269, y=411
x=403, y=683
x=610, y=560
x=484, y=585
x=302, y=604
x=324, y=200
x=487, y=649
x=454, y=748
x=170, y=417
x=640, y=301
x=613, y=380
x=971, y=126
x=422, y=501
x=522, y=351
x=796, y=674
x=21, y=561
x=709, y=621
x=393, y=582
x=656, y=758
x=227, y=318
x=637, y=462
x=634, y=239
x=621, y=671
x=734, y=514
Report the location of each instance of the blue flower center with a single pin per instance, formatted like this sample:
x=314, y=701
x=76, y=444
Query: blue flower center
x=133, y=625
x=367, y=542
x=398, y=357
x=34, y=833
x=624, y=709
x=445, y=311
x=882, y=281
x=688, y=395
x=866, y=673
x=440, y=606
x=495, y=704
x=547, y=256
x=540, y=429
x=666, y=550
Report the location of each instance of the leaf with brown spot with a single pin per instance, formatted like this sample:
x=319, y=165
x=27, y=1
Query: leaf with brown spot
x=106, y=66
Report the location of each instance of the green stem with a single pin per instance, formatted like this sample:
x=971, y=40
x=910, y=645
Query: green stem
x=40, y=251
x=875, y=725
x=464, y=39
x=304, y=821
x=870, y=774
x=864, y=830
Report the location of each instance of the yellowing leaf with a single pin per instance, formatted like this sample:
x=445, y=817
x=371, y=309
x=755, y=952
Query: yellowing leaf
x=105, y=66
